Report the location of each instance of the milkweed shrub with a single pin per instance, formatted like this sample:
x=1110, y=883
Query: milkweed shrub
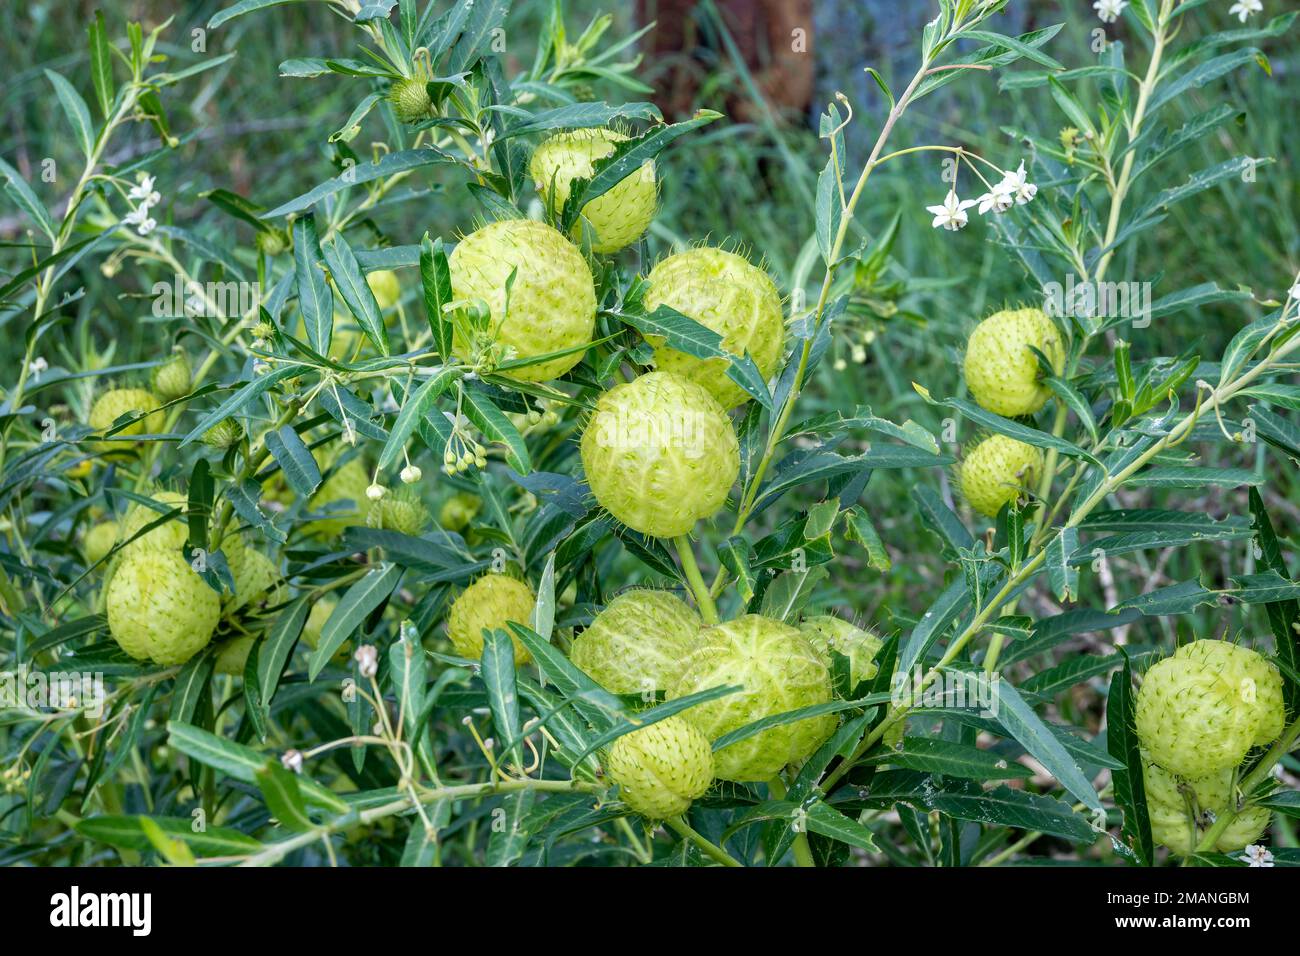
x=515, y=544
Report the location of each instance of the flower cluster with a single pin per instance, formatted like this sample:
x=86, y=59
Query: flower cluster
x=146, y=197
x=1015, y=189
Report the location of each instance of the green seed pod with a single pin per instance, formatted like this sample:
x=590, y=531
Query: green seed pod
x=402, y=512
x=661, y=768
x=1182, y=810
x=552, y=301
x=272, y=241
x=1002, y=371
x=223, y=434
x=1257, y=678
x=490, y=602
x=996, y=471
x=258, y=581
x=98, y=541
x=459, y=510
x=1246, y=828
x=159, y=608
x=779, y=671
x=660, y=454
x=723, y=292
x=116, y=402
x=620, y=216
x=638, y=643
x=828, y=633
x=1191, y=721
x=410, y=100
x=171, y=380
x=168, y=536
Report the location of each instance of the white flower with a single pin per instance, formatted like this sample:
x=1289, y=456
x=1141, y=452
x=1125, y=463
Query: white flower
x=140, y=218
x=1018, y=185
x=367, y=658
x=376, y=491
x=292, y=760
x=1256, y=855
x=37, y=366
x=999, y=199
x=1109, y=10
x=411, y=474
x=144, y=193
x=952, y=214
x=1245, y=9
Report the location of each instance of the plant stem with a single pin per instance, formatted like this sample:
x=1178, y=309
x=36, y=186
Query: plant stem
x=802, y=851
x=711, y=850
x=708, y=610
x=777, y=433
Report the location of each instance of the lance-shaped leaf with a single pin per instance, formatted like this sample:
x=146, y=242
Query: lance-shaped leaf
x=665, y=325
x=354, y=607
x=351, y=284
x=435, y=281
x=315, y=300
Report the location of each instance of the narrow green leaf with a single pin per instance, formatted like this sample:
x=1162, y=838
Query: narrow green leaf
x=294, y=458
x=353, y=608
x=101, y=64
x=283, y=796
x=352, y=286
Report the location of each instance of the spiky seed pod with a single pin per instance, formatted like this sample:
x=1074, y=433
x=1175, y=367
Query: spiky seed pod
x=1191, y=720
x=343, y=496
x=98, y=541
x=410, y=100
x=402, y=512
x=171, y=380
x=168, y=536
x=459, y=510
x=1258, y=679
x=1002, y=371
x=828, y=633
x=1181, y=810
x=159, y=608
x=661, y=768
x=552, y=302
x=490, y=602
x=779, y=671
x=116, y=402
x=271, y=241
x=620, y=216
x=996, y=471
x=727, y=294
x=660, y=454
x=258, y=581
x=223, y=434
x=638, y=643
x=1246, y=828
